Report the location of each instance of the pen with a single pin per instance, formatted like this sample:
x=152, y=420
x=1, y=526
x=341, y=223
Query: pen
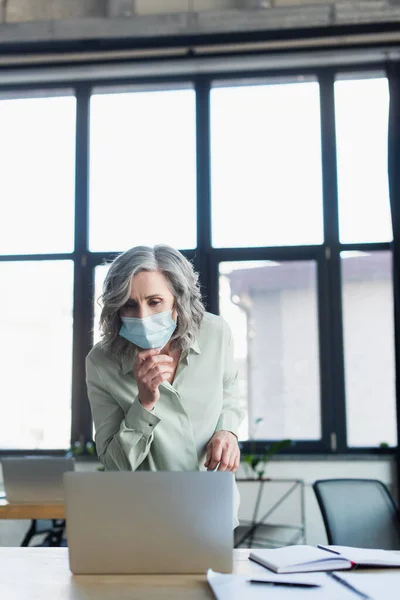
x=322, y=547
x=349, y=586
x=284, y=583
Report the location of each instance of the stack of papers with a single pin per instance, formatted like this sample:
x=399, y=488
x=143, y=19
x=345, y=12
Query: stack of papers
x=290, y=580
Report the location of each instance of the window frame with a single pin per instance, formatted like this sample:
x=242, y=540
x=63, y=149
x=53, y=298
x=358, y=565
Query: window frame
x=206, y=259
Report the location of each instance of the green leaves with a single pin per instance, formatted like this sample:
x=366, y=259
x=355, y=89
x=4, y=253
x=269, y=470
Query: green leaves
x=256, y=464
x=251, y=460
x=275, y=448
x=79, y=449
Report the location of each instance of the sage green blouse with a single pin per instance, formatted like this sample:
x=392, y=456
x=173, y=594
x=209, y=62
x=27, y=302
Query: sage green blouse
x=203, y=399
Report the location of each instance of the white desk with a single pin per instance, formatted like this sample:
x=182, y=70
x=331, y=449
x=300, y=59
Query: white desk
x=33, y=573
x=43, y=573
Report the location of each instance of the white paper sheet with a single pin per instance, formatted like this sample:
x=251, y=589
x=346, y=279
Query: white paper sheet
x=237, y=587
x=379, y=584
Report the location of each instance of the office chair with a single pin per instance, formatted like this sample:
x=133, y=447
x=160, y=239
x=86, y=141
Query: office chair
x=52, y=530
x=358, y=512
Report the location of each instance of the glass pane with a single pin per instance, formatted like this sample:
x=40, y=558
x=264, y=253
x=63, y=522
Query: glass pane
x=272, y=310
x=368, y=326
x=362, y=108
x=37, y=183
x=266, y=165
x=36, y=354
x=100, y=273
x=142, y=169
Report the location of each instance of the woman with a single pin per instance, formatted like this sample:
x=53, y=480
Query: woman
x=162, y=383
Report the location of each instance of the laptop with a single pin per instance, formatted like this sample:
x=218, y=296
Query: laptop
x=149, y=522
x=35, y=480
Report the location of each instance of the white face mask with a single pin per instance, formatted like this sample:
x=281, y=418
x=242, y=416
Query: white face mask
x=151, y=332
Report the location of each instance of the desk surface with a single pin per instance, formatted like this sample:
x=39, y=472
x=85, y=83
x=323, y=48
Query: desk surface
x=31, y=511
x=31, y=573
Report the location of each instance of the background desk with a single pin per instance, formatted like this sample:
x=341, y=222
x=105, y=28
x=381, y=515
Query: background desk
x=46, y=519
x=31, y=511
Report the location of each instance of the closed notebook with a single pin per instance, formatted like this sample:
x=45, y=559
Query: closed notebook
x=301, y=559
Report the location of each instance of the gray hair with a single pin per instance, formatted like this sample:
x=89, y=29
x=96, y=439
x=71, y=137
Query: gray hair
x=182, y=280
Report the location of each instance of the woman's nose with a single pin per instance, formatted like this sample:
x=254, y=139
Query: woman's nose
x=143, y=312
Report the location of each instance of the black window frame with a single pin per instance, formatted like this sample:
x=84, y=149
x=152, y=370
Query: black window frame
x=206, y=259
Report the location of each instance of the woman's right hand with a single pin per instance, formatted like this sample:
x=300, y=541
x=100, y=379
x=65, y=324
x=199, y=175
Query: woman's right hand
x=150, y=369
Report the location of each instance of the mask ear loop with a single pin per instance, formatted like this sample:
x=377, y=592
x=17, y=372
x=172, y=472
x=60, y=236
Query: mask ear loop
x=174, y=308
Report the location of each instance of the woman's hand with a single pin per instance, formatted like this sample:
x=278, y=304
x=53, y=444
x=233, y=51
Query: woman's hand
x=223, y=449
x=150, y=369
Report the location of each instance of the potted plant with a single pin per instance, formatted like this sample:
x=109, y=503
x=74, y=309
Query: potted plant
x=255, y=464
x=84, y=452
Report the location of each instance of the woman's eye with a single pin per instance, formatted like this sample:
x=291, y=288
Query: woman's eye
x=155, y=302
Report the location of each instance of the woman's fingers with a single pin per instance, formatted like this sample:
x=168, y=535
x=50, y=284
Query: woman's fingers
x=215, y=455
x=150, y=369
x=151, y=363
x=208, y=456
x=155, y=372
x=157, y=375
x=145, y=354
x=158, y=380
x=236, y=462
x=223, y=452
x=225, y=459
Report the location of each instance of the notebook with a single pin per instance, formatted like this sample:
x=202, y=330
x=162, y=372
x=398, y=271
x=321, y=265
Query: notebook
x=302, y=559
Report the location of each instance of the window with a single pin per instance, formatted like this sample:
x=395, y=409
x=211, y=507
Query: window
x=286, y=220
x=142, y=169
x=361, y=107
x=271, y=308
x=361, y=115
x=37, y=183
x=369, y=348
x=37, y=192
x=266, y=164
x=36, y=354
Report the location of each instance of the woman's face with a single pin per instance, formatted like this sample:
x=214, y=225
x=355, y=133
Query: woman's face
x=150, y=294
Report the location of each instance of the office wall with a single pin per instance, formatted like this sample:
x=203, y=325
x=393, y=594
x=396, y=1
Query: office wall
x=26, y=10
x=11, y=532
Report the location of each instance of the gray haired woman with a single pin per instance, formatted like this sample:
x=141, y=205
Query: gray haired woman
x=162, y=382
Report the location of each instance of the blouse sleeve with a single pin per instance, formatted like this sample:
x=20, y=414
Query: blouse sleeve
x=122, y=440
x=231, y=415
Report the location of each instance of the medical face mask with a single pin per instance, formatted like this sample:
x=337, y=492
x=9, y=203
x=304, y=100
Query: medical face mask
x=150, y=332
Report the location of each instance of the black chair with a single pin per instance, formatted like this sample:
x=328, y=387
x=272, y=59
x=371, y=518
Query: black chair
x=358, y=512
x=50, y=530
